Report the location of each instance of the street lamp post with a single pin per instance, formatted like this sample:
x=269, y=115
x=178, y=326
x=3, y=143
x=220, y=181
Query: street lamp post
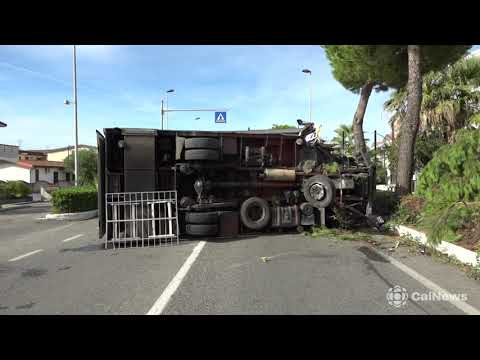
x=74, y=102
x=168, y=92
x=307, y=71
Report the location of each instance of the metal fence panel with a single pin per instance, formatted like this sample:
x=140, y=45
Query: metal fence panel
x=138, y=219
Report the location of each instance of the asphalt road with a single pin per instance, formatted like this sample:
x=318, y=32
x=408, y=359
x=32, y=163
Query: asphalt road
x=67, y=271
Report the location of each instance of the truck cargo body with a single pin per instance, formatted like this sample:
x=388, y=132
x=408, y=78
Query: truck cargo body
x=225, y=183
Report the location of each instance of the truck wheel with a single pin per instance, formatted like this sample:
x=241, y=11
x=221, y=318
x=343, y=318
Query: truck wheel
x=201, y=143
x=201, y=229
x=201, y=154
x=201, y=218
x=255, y=213
x=319, y=191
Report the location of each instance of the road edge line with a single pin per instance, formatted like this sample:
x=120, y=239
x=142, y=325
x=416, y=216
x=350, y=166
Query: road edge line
x=164, y=298
x=72, y=238
x=459, y=304
x=25, y=255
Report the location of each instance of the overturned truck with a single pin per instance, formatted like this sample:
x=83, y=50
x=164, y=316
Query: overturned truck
x=158, y=186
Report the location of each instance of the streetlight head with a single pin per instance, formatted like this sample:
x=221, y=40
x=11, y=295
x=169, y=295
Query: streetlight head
x=306, y=71
x=170, y=91
x=197, y=118
x=66, y=102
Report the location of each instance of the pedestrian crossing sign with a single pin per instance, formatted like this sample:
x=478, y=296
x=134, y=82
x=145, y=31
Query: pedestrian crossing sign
x=220, y=117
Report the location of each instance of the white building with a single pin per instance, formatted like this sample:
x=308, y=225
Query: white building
x=32, y=168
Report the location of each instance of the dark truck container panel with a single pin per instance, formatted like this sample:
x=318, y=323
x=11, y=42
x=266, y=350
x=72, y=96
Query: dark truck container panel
x=234, y=182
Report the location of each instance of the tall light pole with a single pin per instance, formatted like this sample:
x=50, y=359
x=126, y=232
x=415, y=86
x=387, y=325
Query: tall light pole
x=74, y=102
x=75, y=111
x=168, y=92
x=307, y=71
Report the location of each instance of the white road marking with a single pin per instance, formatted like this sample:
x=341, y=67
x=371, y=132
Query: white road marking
x=163, y=300
x=25, y=255
x=72, y=238
x=459, y=304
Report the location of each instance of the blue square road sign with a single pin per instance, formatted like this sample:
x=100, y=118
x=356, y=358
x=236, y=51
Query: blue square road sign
x=221, y=117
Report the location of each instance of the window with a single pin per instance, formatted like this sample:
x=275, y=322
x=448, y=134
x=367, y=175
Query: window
x=37, y=175
x=55, y=177
x=67, y=176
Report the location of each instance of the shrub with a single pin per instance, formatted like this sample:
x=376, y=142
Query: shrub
x=14, y=189
x=386, y=202
x=448, y=196
x=74, y=199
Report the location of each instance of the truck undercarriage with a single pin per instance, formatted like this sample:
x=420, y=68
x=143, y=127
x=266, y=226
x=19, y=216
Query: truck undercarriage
x=156, y=184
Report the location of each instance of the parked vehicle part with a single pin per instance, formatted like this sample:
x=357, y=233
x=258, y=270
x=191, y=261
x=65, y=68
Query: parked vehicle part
x=229, y=223
x=344, y=183
x=319, y=191
x=201, y=143
x=255, y=213
x=201, y=154
x=279, y=175
x=186, y=201
x=306, y=209
x=201, y=229
x=201, y=217
x=285, y=216
x=307, y=217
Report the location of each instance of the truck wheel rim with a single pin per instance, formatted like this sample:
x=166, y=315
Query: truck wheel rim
x=317, y=191
x=256, y=213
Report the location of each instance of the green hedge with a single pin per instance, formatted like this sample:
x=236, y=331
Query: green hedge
x=14, y=190
x=74, y=199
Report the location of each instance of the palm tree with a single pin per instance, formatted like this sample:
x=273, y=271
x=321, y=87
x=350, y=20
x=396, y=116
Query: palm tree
x=451, y=99
x=347, y=131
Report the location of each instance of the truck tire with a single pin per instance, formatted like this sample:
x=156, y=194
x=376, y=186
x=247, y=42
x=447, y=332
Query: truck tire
x=255, y=213
x=201, y=217
x=201, y=229
x=319, y=191
x=201, y=143
x=201, y=154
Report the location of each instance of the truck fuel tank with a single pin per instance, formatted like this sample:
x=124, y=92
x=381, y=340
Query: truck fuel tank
x=279, y=175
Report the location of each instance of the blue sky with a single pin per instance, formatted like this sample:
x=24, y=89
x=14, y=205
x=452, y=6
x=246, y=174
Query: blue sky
x=123, y=86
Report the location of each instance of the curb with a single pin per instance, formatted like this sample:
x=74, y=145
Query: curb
x=85, y=215
x=13, y=208
x=463, y=255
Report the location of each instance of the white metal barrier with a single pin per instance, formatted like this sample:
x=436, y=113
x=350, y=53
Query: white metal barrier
x=138, y=219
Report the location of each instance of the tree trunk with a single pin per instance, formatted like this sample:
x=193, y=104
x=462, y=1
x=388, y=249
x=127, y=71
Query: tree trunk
x=360, y=146
x=409, y=127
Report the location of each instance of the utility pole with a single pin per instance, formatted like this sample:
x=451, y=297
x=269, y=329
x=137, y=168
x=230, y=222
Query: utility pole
x=75, y=111
x=307, y=71
x=162, y=111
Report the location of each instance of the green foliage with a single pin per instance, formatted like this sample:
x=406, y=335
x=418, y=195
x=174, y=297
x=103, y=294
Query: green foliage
x=276, y=126
x=450, y=99
x=454, y=172
x=332, y=168
x=450, y=187
x=74, y=199
x=409, y=210
x=386, y=203
x=355, y=65
x=339, y=234
x=426, y=144
x=347, y=131
x=87, y=166
x=14, y=189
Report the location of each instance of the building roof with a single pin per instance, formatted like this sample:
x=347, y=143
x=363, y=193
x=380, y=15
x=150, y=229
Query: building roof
x=29, y=164
x=70, y=147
